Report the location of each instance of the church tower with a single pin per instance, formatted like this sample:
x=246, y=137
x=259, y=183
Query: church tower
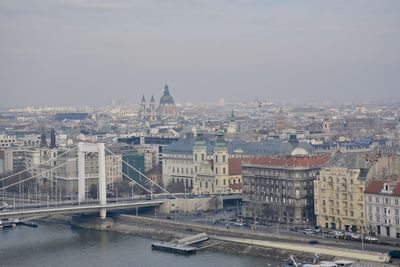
x=232, y=126
x=221, y=163
x=199, y=151
x=142, y=112
x=152, y=111
x=325, y=126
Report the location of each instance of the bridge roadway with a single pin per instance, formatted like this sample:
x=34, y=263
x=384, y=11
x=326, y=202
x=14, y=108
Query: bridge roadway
x=69, y=209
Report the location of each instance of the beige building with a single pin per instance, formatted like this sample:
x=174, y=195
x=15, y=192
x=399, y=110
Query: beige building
x=113, y=169
x=339, y=198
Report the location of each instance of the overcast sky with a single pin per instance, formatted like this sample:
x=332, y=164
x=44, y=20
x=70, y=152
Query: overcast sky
x=88, y=52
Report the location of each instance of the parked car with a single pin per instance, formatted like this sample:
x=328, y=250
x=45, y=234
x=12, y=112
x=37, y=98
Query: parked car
x=371, y=239
x=308, y=231
x=313, y=242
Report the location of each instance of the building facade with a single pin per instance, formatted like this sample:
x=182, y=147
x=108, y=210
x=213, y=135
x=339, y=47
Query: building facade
x=339, y=198
x=382, y=200
x=281, y=188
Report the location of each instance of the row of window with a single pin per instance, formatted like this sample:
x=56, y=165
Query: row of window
x=277, y=200
x=383, y=200
x=269, y=181
x=182, y=170
x=385, y=210
x=206, y=184
x=385, y=220
x=330, y=180
x=277, y=173
x=277, y=190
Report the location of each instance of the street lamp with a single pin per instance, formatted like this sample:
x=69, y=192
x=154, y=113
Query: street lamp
x=277, y=226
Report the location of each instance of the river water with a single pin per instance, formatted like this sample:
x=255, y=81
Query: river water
x=60, y=245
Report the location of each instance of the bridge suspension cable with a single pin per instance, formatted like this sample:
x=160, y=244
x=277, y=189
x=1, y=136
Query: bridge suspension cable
x=34, y=166
x=143, y=175
x=133, y=180
x=39, y=174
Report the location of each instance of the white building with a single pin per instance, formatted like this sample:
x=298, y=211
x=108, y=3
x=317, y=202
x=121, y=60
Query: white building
x=383, y=208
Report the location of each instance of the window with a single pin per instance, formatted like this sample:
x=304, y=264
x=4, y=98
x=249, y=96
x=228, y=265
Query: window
x=223, y=170
x=216, y=158
x=202, y=156
x=216, y=170
x=223, y=158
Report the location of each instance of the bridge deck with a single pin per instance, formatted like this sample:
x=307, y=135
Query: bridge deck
x=76, y=209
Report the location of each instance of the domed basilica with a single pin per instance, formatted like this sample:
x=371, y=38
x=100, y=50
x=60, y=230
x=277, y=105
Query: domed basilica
x=166, y=110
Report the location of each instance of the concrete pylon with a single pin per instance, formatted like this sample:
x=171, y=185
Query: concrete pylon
x=81, y=173
x=102, y=179
x=98, y=148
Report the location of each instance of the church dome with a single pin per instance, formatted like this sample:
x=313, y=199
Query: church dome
x=166, y=99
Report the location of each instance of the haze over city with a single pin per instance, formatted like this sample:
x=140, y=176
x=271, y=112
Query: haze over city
x=237, y=133
x=88, y=52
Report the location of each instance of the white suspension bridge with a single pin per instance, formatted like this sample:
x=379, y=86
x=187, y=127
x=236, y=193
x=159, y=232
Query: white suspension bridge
x=37, y=204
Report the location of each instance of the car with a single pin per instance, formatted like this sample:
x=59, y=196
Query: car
x=238, y=224
x=313, y=242
x=371, y=239
x=308, y=231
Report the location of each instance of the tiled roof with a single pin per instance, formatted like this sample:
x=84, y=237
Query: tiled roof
x=396, y=190
x=273, y=147
x=375, y=187
x=235, y=165
x=290, y=161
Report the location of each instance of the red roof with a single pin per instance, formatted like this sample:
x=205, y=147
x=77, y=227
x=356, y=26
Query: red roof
x=375, y=187
x=396, y=190
x=291, y=161
x=235, y=165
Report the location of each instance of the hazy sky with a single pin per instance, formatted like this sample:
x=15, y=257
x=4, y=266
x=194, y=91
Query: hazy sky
x=76, y=52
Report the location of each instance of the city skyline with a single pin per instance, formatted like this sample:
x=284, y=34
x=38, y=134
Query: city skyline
x=90, y=52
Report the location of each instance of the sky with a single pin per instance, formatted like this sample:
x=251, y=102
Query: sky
x=88, y=52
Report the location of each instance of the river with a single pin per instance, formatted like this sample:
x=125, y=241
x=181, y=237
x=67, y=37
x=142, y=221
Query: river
x=62, y=246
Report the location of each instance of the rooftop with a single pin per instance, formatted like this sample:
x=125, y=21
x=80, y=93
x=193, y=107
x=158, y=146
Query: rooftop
x=290, y=161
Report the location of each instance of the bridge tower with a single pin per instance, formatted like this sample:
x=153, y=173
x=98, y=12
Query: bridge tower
x=98, y=148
